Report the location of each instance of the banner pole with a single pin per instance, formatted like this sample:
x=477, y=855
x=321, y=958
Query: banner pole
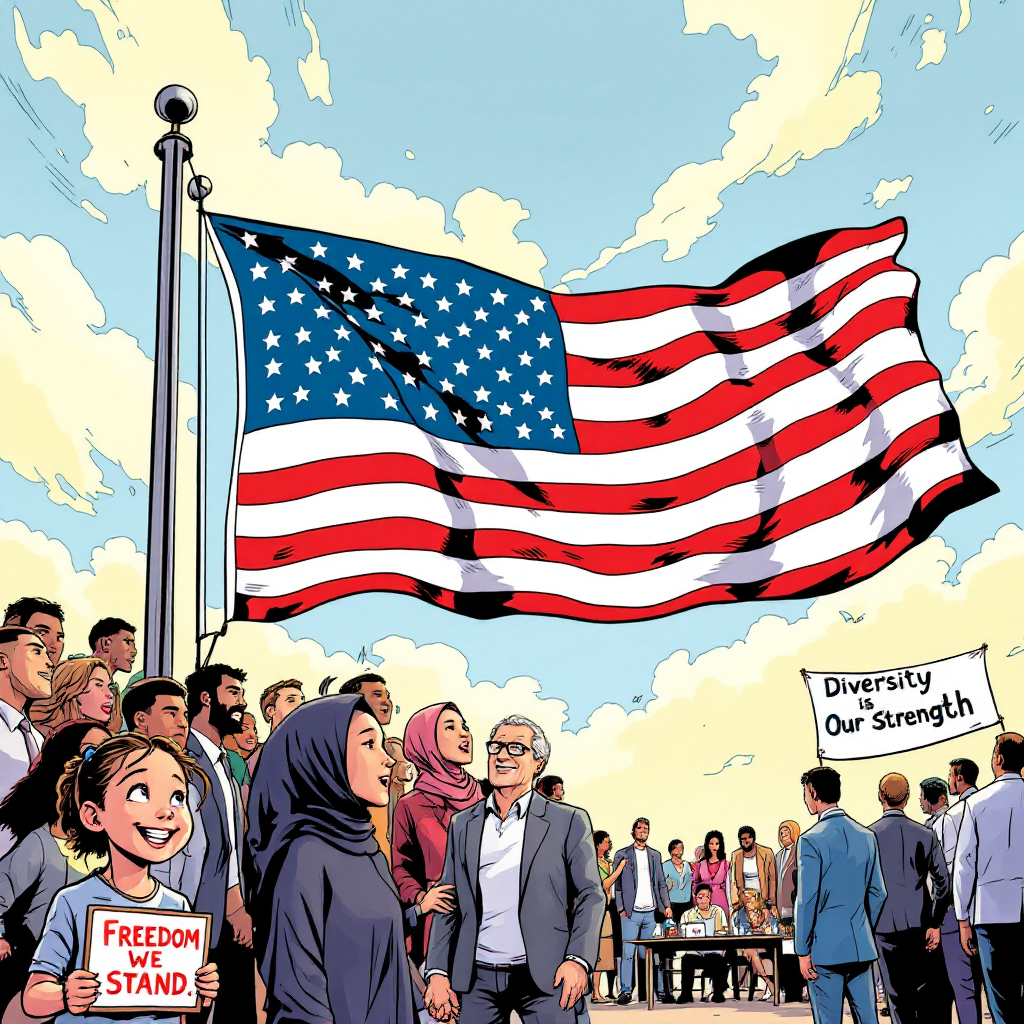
x=176, y=105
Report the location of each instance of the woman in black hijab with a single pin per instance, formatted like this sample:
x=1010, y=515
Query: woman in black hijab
x=320, y=882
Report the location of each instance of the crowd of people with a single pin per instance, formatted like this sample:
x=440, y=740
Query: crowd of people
x=351, y=875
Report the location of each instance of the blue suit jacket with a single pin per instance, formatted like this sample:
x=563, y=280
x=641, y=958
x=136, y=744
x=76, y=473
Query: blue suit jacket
x=839, y=893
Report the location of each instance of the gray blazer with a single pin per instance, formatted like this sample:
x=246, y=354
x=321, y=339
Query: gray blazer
x=211, y=897
x=909, y=855
x=625, y=891
x=561, y=900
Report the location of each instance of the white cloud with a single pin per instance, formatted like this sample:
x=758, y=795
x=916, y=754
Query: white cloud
x=933, y=48
x=314, y=70
x=809, y=103
x=885, y=191
x=989, y=377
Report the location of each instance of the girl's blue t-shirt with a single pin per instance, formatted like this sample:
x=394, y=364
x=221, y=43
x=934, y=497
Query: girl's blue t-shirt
x=61, y=949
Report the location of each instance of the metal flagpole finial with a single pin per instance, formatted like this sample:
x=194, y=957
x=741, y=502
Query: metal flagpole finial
x=176, y=104
x=199, y=188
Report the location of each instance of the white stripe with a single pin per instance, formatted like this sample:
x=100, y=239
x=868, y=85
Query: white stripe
x=368, y=502
x=618, y=338
x=863, y=524
x=695, y=379
x=296, y=444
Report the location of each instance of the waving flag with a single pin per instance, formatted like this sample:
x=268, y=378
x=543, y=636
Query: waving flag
x=415, y=424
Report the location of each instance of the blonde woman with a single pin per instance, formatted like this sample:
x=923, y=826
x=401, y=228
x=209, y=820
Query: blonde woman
x=785, y=871
x=755, y=918
x=82, y=688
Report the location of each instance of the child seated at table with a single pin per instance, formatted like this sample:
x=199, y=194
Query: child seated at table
x=754, y=918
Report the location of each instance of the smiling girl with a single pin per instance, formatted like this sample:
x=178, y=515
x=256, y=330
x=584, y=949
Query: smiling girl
x=126, y=799
x=82, y=688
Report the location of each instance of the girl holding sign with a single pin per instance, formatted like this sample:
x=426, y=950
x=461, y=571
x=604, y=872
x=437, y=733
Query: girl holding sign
x=125, y=799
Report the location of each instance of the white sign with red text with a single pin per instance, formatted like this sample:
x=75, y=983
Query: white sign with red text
x=146, y=960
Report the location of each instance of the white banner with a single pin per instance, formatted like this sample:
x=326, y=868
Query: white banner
x=868, y=714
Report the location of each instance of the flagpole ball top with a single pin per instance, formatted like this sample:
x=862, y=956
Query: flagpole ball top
x=176, y=104
x=199, y=188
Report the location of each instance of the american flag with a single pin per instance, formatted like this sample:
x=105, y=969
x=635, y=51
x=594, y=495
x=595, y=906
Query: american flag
x=415, y=424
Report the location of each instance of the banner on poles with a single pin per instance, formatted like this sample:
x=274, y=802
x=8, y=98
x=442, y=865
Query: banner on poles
x=868, y=714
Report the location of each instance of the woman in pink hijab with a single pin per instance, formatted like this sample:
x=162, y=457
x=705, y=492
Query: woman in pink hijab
x=438, y=742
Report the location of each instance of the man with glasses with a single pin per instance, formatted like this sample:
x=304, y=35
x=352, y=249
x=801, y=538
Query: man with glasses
x=507, y=945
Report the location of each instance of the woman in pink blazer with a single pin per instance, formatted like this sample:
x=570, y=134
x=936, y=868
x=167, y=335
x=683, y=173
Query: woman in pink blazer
x=438, y=743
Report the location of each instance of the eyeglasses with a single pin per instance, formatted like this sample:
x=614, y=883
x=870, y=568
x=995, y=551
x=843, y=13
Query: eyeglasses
x=515, y=749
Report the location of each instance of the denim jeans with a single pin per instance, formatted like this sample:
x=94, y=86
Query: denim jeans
x=639, y=925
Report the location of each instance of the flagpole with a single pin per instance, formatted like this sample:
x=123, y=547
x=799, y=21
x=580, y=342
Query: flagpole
x=176, y=105
x=198, y=189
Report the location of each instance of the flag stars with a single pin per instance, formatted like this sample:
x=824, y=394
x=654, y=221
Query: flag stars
x=504, y=375
x=424, y=359
x=544, y=378
x=485, y=423
x=524, y=431
x=480, y=314
x=324, y=285
x=378, y=348
x=464, y=331
x=442, y=340
x=430, y=412
x=557, y=432
x=322, y=313
x=405, y=299
x=273, y=367
x=313, y=366
x=482, y=394
x=443, y=305
x=249, y=240
x=399, y=271
x=428, y=281
x=419, y=320
x=333, y=355
x=319, y=251
x=546, y=413
x=498, y=297
x=545, y=341
x=464, y=289
x=538, y=304
x=288, y=263
x=505, y=409
x=267, y=305
x=348, y=295
x=525, y=359
x=409, y=379
x=527, y=398
x=373, y=313
x=398, y=335
x=461, y=367
x=484, y=353
x=522, y=317
x=272, y=340
x=259, y=271
x=354, y=262
x=357, y=375
x=273, y=404
x=390, y=402
x=343, y=333
x=375, y=364
x=447, y=387
x=340, y=397
x=302, y=334
x=302, y=395
x=504, y=334
x=378, y=285
x=460, y=418
x=296, y=296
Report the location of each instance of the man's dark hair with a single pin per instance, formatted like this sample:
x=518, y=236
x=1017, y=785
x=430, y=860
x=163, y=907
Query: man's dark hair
x=141, y=696
x=673, y=845
x=966, y=769
x=206, y=680
x=546, y=786
x=825, y=783
x=934, y=789
x=702, y=887
x=747, y=830
x=9, y=634
x=1010, y=746
x=639, y=821
x=107, y=627
x=25, y=607
x=356, y=685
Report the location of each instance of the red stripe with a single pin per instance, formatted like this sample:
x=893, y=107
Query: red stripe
x=826, y=577
x=747, y=464
x=829, y=500
x=602, y=307
x=629, y=371
x=721, y=403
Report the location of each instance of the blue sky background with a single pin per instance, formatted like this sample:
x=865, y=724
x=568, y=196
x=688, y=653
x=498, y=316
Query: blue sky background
x=579, y=110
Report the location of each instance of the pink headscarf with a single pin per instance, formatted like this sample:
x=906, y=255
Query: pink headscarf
x=435, y=775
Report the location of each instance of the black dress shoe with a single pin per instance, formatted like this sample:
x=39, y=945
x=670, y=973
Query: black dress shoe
x=625, y=998
x=685, y=999
x=667, y=998
x=718, y=998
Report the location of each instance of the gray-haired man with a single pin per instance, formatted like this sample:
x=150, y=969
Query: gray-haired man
x=524, y=933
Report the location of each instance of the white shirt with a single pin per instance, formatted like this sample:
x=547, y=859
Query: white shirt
x=222, y=769
x=751, y=879
x=500, y=938
x=947, y=828
x=14, y=759
x=644, y=900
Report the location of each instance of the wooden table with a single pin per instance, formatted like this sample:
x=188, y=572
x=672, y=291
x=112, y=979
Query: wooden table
x=680, y=943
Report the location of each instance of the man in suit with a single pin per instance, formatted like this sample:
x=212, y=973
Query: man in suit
x=963, y=970
x=216, y=701
x=524, y=933
x=907, y=932
x=988, y=880
x=839, y=897
x=642, y=890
